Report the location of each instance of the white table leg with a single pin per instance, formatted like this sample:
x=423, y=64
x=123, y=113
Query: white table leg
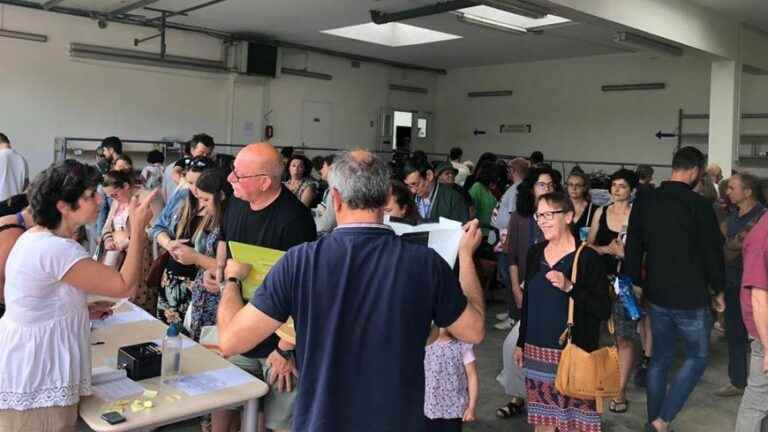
x=250, y=416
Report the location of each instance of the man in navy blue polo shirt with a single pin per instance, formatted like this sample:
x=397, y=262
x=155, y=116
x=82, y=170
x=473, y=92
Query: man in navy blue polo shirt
x=362, y=300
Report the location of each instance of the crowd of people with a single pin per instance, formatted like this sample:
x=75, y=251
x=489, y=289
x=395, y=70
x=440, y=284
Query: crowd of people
x=385, y=340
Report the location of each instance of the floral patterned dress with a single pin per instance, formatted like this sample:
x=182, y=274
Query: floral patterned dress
x=204, y=303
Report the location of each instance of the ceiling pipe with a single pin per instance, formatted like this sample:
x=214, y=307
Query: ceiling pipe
x=379, y=17
x=229, y=37
x=130, y=20
x=190, y=9
x=131, y=7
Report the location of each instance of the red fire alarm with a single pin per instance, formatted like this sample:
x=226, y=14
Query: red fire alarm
x=269, y=131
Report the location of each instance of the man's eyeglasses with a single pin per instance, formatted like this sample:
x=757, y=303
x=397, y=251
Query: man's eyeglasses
x=239, y=177
x=547, y=215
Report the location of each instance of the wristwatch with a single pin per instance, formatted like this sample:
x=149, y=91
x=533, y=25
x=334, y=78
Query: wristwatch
x=288, y=355
x=235, y=281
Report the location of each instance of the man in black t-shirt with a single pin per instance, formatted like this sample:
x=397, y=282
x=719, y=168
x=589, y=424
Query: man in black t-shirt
x=362, y=300
x=264, y=213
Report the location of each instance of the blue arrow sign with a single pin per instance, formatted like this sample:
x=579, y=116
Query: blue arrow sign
x=661, y=135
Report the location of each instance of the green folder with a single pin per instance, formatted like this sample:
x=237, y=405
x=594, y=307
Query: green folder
x=261, y=260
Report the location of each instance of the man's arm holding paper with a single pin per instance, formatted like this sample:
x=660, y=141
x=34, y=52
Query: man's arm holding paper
x=470, y=326
x=242, y=327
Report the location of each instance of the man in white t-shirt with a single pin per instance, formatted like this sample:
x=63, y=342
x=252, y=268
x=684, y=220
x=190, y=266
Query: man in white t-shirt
x=14, y=176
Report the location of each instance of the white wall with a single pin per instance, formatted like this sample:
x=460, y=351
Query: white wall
x=572, y=118
x=356, y=95
x=46, y=95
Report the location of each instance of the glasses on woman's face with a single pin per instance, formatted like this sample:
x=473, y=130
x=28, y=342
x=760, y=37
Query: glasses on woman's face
x=545, y=185
x=547, y=215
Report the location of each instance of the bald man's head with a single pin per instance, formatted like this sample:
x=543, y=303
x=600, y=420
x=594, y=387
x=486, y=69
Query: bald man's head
x=262, y=157
x=257, y=172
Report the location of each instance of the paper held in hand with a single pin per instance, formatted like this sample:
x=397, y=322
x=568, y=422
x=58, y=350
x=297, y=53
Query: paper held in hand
x=443, y=237
x=261, y=260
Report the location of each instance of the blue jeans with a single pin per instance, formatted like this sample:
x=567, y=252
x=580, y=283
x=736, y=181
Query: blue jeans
x=667, y=325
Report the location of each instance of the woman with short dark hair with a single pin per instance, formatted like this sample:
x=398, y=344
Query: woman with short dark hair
x=607, y=236
x=45, y=362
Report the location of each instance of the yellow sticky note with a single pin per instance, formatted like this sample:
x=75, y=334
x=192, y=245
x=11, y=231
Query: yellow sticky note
x=137, y=406
x=261, y=260
x=150, y=394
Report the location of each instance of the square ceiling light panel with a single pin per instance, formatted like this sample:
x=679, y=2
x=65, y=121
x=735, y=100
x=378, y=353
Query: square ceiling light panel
x=510, y=19
x=391, y=34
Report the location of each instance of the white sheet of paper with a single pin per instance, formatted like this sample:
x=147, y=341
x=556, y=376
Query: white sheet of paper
x=211, y=381
x=444, y=237
x=134, y=315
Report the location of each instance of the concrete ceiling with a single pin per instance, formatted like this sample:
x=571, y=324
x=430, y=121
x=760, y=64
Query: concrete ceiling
x=300, y=21
x=752, y=12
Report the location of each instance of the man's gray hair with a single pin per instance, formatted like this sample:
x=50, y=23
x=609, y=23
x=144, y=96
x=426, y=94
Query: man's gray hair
x=362, y=180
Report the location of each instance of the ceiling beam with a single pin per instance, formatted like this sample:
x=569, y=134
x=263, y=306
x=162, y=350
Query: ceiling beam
x=190, y=9
x=51, y=3
x=131, y=7
x=380, y=17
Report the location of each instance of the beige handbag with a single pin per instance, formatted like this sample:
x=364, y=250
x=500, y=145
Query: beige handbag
x=585, y=375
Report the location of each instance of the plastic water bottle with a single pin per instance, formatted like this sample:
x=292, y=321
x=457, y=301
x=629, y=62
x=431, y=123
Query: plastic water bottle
x=623, y=286
x=583, y=233
x=171, y=361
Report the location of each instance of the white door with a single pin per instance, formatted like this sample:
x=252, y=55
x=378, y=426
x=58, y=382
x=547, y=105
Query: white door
x=422, y=131
x=385, y=140
x=317, y=124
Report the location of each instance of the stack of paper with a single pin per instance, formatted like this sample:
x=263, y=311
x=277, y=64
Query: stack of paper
x=443, y=237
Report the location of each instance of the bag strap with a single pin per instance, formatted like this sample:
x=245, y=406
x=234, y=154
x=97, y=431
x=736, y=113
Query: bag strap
x=566, y=335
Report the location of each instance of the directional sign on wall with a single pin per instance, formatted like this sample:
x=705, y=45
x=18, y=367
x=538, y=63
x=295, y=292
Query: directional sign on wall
x=515, y=128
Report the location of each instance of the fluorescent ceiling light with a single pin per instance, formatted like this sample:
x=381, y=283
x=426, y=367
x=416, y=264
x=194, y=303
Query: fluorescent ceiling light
x=498, y=16
x=639, y=42
x=24, y=36
x=391, y=34
x=491, y=24
x=520, y=7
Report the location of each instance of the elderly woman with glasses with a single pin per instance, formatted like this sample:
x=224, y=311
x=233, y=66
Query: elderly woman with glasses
x=548, y=289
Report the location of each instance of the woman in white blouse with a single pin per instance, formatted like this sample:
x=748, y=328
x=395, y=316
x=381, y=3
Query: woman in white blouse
x=45, y=359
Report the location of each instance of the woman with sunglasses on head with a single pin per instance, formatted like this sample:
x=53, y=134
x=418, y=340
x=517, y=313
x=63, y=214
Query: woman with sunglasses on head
x=522, y=233
x=45, y=360
x=548, y=291
x=212, y=193
x=120, y=187
x=175, y=227
x=607, y=236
